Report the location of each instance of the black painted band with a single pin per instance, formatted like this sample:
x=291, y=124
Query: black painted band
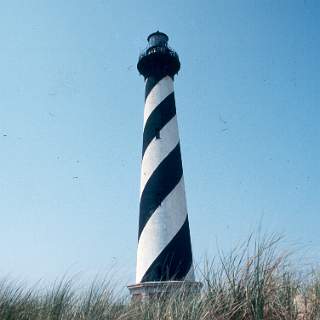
x=151, y=83
x=158, y=118
x=175, y=260
x=162, y=181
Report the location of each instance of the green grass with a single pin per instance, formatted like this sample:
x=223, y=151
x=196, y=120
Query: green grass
x=255, y=281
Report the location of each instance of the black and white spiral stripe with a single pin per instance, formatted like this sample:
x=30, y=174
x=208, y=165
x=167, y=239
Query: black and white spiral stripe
x=164, y=247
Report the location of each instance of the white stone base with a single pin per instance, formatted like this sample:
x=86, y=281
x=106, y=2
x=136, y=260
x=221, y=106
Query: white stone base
x=146, y=290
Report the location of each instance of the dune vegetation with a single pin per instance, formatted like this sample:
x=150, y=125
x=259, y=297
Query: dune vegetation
x=255, y=281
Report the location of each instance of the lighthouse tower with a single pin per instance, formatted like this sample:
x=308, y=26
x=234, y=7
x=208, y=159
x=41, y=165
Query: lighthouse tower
x=164, y=257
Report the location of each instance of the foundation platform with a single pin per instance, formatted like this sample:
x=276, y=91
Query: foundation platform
x=146, y=290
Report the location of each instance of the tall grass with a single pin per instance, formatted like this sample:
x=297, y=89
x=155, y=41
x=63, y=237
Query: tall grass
x=255, y=281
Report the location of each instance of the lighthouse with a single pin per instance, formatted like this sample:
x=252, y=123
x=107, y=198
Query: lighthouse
x=164, y=255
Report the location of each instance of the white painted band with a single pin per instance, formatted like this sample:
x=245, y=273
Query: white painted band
x=158, y=150
x=158, y=93
x=160, y=229
x=190, y=274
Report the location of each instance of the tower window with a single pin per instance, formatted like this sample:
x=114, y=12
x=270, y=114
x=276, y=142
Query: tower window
x=157, y=133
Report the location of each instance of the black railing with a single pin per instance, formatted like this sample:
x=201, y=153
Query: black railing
x=164, y=50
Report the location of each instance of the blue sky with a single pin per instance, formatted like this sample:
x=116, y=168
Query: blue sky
x=71, y=108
